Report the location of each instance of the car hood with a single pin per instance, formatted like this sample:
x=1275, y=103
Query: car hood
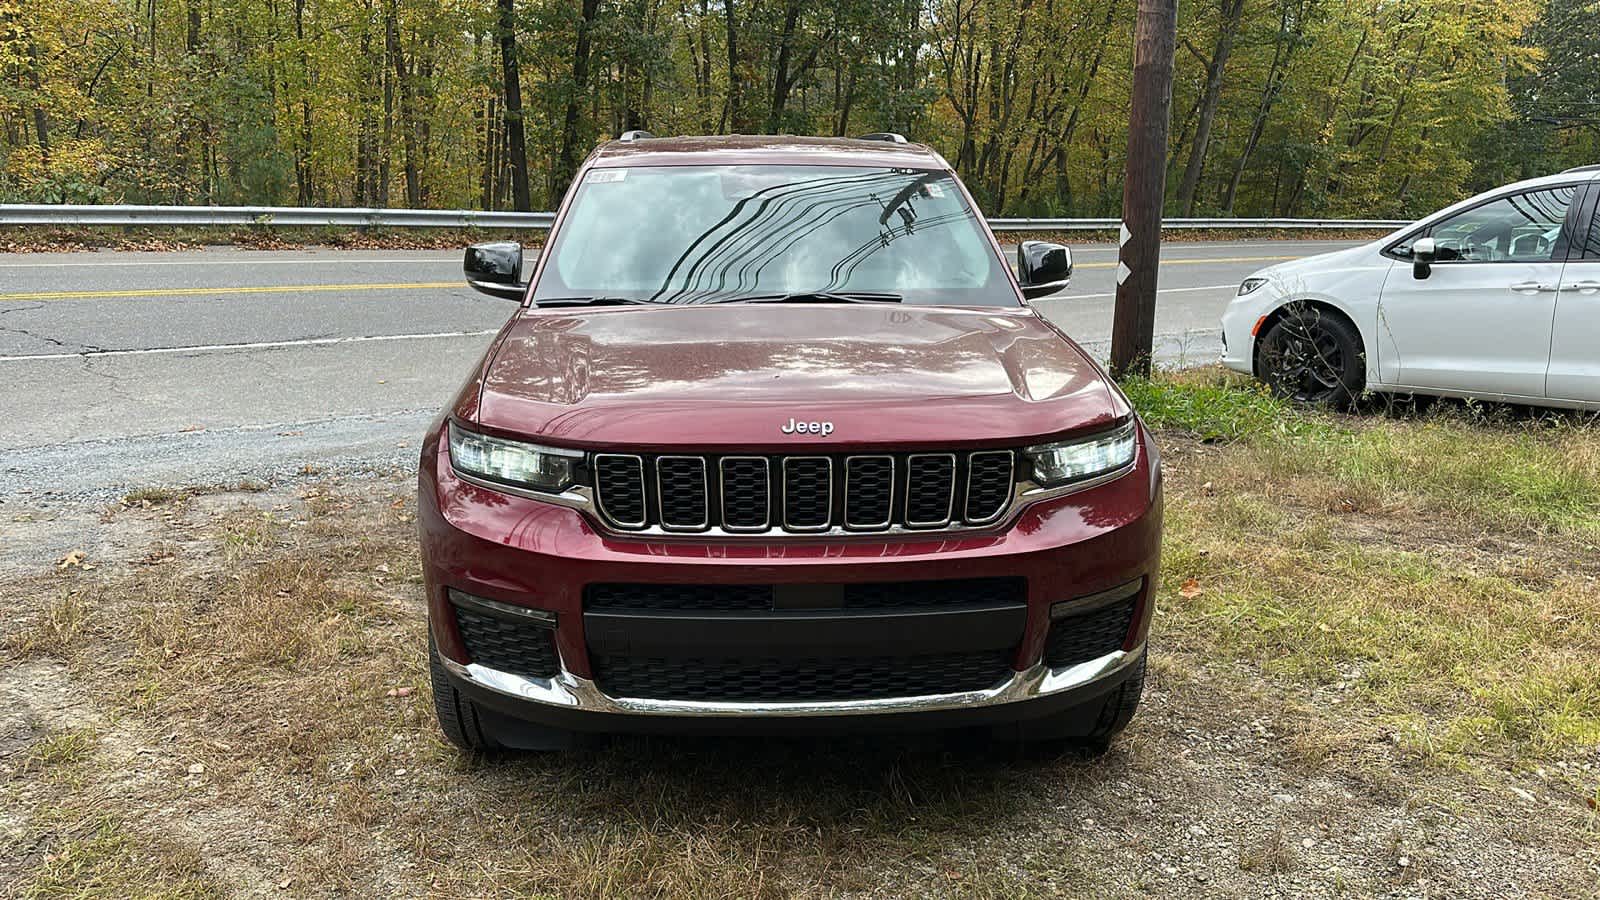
x=733, y=376
x=1294, y=270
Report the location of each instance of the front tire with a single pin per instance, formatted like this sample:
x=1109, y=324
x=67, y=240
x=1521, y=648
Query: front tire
x=1087, y=731
x=1314, y=356
x=459, y=718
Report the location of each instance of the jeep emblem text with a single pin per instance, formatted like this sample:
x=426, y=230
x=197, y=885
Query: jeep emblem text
x=797, y=427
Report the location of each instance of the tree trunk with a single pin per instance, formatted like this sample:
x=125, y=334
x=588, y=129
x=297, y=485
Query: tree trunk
x=408, y=113
x=1232, y=12
x=516, y=146
x=567, y=161
x=304, y=186
x=731, y=115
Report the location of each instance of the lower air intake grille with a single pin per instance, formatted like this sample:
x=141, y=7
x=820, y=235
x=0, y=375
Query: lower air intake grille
x=875, y=595
x=521, y=649
x=799, y=680
x=1089, y=636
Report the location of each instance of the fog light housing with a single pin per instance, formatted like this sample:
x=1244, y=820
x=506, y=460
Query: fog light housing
x=543, y=618
x=1077, y=606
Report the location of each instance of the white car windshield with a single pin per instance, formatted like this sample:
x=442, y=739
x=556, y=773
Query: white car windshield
x=693, y=234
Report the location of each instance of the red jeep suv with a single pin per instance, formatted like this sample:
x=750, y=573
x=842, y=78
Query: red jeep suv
x=774, y=444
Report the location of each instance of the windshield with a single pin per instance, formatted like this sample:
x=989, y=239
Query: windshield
x=692, y=234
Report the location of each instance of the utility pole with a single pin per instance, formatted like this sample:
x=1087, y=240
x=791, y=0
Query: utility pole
x=1133, y=324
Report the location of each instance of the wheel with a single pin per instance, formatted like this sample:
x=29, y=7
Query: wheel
x=1117, y=712
x=1087, y=731
x=476, y=729
x=459, y=718
x=1310, y=355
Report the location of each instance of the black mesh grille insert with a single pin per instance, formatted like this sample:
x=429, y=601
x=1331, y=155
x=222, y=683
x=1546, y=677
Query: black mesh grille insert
x=868, y=491
x=923, y=594
x=746, y=497
x=620, y=487
x=988, y=485
x=683, y=491
x=1090, y=635
x=678, y=596
x=807, y=486
x=519, y=648
x=797, y=680
x=883, y=595
x=930, y=485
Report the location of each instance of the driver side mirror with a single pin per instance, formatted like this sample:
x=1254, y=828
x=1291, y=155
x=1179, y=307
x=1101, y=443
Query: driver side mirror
x=495, y=268
x=1423, y=253
x=1043, y=268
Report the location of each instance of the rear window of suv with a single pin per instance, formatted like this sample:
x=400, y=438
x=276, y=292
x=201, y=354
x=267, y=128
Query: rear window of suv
x=686, y=234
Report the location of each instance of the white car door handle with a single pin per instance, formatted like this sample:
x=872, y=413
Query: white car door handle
x=1532, y=287
x=1583, y=287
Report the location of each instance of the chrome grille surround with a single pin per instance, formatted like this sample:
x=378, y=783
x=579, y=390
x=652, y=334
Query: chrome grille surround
x=852, y=462
x=1010, y=484
x=603, y=461
x=916, y=486
x=670, y=520
x=765, y=492
x=790, y=462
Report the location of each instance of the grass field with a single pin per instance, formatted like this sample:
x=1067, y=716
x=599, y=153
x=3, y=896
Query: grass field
x=1374, y=672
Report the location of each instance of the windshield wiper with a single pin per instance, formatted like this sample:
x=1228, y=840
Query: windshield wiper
x=815, y=297
x=592, y=301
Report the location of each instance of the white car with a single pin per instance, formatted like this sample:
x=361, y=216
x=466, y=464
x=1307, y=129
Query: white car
x=1495, y=298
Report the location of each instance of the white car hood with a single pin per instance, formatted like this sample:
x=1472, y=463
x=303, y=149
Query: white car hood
x=1322, y=262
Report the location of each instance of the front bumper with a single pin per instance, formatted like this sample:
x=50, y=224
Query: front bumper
x=574, y=692
x=527, y=553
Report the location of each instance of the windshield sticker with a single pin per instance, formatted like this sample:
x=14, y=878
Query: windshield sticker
x=934, y=190
x=605, y=176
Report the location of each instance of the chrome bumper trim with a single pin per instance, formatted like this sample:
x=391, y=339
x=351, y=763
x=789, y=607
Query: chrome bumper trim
x=575, y=692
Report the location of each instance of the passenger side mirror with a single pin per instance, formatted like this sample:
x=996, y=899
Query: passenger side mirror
x=1422, y=256
x=1043, y=268
x=495, y=268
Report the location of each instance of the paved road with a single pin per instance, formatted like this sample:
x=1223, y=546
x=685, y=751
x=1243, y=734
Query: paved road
x=130, y=369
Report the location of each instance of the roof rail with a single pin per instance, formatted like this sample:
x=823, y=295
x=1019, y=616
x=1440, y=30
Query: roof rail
x=635, y=135
x=1594, y=168
x=888, y=136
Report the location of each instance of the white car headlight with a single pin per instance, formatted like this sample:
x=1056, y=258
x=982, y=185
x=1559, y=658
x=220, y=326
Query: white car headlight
x=552, y=469
x=1069, y=461
x=1249, y=285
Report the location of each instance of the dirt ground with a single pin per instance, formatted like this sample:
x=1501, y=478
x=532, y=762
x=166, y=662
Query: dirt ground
x=224, y=693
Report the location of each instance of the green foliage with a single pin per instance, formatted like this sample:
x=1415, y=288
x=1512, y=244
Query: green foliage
x=1217, y=407
x=1323, y=107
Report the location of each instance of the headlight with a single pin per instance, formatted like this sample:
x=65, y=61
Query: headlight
x=1069, y=461
x=1250, y=284
x=550, y=469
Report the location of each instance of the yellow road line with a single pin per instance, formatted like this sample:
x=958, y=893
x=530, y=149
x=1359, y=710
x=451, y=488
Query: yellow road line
x=1193, y=261
x=213, y=291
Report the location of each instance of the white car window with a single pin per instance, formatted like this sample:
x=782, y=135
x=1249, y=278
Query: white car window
x=1519, y=228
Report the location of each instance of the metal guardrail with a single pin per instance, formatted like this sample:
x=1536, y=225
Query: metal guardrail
x=302, y=216
x=305, y=216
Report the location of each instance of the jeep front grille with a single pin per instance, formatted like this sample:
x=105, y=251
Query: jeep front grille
x=803, y=494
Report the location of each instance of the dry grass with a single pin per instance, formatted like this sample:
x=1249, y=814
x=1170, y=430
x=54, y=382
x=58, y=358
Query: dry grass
x=1350, y=650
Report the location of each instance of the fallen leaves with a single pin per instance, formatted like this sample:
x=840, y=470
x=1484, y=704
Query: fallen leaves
x=1190, y=589
x=73, y=560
